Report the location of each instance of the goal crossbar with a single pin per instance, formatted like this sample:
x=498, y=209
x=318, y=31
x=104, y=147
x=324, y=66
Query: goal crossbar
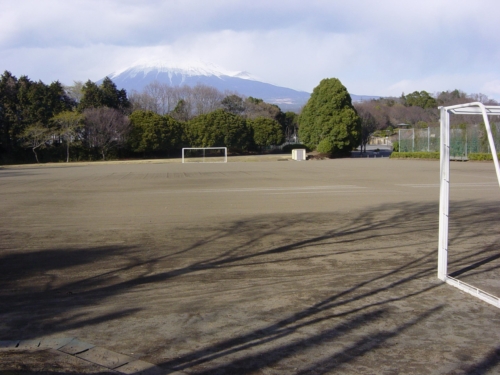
x=475, y=108
x=203, y=157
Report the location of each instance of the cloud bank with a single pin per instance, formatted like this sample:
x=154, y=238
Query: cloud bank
x=374, y=48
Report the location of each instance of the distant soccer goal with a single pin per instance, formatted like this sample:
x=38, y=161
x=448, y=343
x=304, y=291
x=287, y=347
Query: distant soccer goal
x=204, y=155
x=444, y=199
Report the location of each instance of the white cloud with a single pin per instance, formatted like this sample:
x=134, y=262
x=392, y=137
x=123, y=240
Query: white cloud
x=375, y=48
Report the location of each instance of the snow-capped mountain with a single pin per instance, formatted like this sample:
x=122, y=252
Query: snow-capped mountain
x=196, y=69
x=142, y=73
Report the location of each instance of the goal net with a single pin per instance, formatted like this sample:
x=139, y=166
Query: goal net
x=204, y=155
x=444, y=194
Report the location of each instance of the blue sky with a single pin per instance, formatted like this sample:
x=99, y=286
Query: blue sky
x=374, y=47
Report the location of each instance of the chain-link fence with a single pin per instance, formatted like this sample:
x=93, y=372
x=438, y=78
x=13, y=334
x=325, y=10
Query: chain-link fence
x=414, y=140
x=463, y=140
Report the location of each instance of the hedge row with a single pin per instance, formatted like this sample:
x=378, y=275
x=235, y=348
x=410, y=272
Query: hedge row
x=481, y=157
x=435, y=155
x=414, y=155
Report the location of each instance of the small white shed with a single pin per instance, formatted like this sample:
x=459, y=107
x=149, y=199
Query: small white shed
x=299, y=154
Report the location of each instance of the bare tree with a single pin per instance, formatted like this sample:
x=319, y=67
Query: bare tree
x=378, y=110
x=142, y=101
x=368, y=126
x=164, y=99
x=255, y=108
x=205, y=99
x=412, y=115
x=105, y=128
x=36, y=136
x=163, y=95
x=69, y=123
x=156, y=97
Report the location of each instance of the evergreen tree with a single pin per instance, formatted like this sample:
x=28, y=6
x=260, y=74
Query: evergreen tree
x=218, y=129
x=265, y=132
x=420, y=99
x=39, y=102
x=112, y=97
x=92, y=96
x=233, y=104
x=9, y=116
x=105, y=95
x=153, y=133
x=24, y=103
x=329, y=114
x=181, y=110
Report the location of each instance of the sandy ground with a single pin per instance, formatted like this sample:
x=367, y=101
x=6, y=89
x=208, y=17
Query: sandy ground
x=283, y=267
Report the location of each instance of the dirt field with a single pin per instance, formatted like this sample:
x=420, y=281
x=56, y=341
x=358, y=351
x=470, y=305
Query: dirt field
x=283, y=267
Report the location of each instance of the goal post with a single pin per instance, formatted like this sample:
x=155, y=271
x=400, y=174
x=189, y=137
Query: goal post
x=204, y=155
x=475, y=108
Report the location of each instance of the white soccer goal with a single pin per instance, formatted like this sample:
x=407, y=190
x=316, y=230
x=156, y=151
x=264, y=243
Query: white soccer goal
x=444, y=195
x=204, y=155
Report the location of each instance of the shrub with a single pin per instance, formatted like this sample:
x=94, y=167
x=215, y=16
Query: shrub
x=435, y=155
x=325, y=146
x=395, y=146
x=415, y=155
x=481, y=157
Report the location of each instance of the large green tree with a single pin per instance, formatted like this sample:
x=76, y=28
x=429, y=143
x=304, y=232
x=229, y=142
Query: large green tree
x=153, y=133
x=24, y=103
x=420, y=99
x=10, y=127
x=218, y=129
x=266, y=132
x=291, y=126
x=329, y=114
x=91, y=96
x=105, y=95
x=182, y=110
x=39, y=102
x=114, y=98
x=233, y=104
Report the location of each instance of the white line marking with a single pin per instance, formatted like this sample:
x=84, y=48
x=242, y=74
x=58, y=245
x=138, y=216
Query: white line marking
x=322, y=191
x=289, y=189
x=419, y=185
x=453, y=184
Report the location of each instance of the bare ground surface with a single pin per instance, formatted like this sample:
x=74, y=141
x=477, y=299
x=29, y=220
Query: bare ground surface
x=315, y=267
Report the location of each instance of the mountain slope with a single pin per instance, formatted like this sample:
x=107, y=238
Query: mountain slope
x=140, y=75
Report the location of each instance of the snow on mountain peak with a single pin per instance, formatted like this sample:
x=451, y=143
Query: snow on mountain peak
x=196, y=68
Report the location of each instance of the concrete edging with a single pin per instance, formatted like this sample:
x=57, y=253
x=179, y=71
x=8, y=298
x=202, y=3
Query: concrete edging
x=117, y=362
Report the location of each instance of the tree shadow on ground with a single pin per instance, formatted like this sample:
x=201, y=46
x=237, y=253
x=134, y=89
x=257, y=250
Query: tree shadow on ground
x=36, y=286
x=489, y=363
x=473, y=247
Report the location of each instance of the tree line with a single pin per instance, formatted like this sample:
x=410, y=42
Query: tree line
x=88, y=121
x=418, y=109
x=332, y=124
